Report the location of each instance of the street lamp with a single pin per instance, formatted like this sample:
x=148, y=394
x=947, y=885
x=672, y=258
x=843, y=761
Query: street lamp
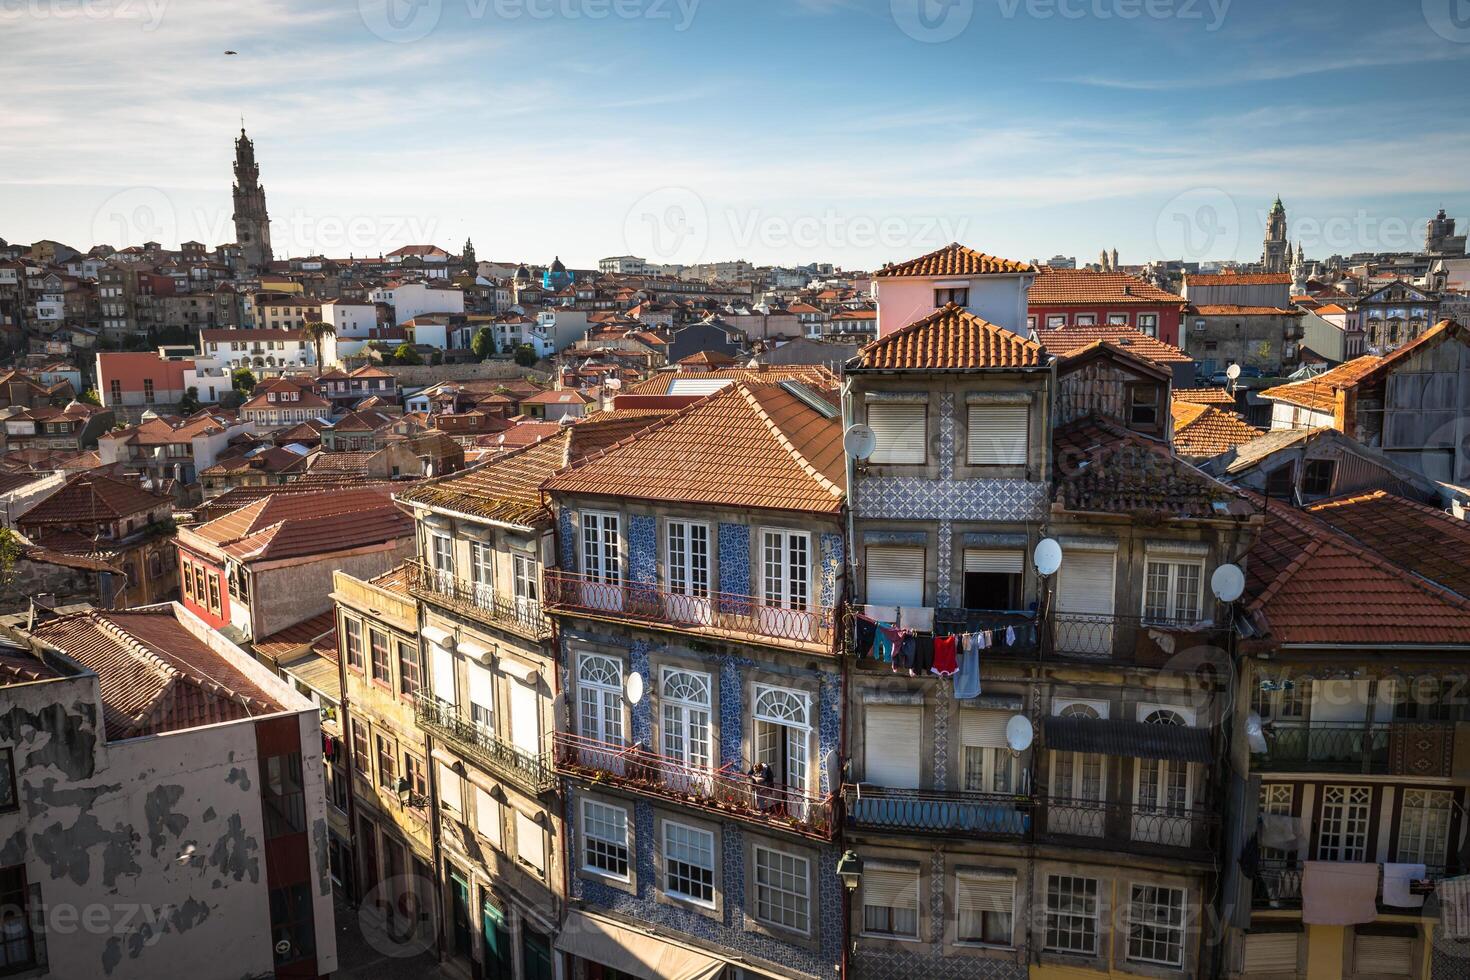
x=850, y=870
x=406, y=795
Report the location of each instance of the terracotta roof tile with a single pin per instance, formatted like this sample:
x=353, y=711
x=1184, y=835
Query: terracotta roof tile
x=292, y=638
x=1320, y=393
x=949, y=338
x=660, y=383
x=289, y=525
x=1231, y=309
x=747, y=445
x=1202, y=431
x=1064, y=341
x=1203, y=396
x=1055, y=287
x=954, y=260
x=1424, y=540
x=92, y=497
x=1238, y=279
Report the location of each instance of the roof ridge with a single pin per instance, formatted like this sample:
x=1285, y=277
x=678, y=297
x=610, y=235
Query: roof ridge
x=785, y=442
x=658, y=423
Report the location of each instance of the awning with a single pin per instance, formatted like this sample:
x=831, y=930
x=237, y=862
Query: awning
x=633, y=951
x=1134, y=739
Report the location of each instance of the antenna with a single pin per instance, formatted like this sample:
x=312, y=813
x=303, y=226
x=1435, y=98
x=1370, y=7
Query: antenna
x=1048, y=557
x=1228, y=583
x=859, y=441
x=1019, y=733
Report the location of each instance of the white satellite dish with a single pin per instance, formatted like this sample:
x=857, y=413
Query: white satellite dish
x=633, y=687
x=1228, y=582
x=1232, y=372
x=859, y=441
x=614, y=383
x=1048, y=556
x=1019, y=733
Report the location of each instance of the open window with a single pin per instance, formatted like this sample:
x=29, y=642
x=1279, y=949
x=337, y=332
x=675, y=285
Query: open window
x=993, y=578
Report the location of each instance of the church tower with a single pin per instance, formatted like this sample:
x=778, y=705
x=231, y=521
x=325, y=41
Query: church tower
x=1276, y=256
x=252, y=224
x=467, y=257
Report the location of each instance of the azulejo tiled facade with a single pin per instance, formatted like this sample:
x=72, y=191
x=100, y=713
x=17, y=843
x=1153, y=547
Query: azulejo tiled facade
x=917, y=499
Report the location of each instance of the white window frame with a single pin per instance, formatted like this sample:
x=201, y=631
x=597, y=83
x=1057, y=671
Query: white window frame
x=964, y=879
x=781, y=586
x=487, y=818
x=1072, y=920
x=599, y=703
x=1147, y=912
x=1014, y=449
x=682, y=719
x=1175, y=608
x=774, y=889
x=610, y=844
x=669, y=860
x=1420, y=841
x=688, y=561
x=602, y=546
x=530, y=834
x=441, y=553
x=1346, y=811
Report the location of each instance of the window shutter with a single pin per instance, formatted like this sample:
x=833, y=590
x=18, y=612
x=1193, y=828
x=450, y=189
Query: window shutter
x=900, y=431
x=1271, y=952
x=1391, y=955
x=891, y=756
x=984, y=560
x=997, y=435
x=895, y=576
x=451, y=790
x=1087, y=583
x=481, y=691
x=442, y=665
x=984, y=729
x=487, y=816
x=977, y=893
x=895, y=888
x=530, y=842
x=525, y=725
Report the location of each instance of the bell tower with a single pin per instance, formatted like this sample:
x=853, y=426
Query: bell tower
x=252, y=223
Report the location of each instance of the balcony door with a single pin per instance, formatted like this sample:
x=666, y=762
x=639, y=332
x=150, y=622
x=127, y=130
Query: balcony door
x=527, y=589
x=482, y=574
x=441, y=555
x=786, y=581
x=602, y=562
x=783, y=734
x=1163, y=794
x=1084, y=622
x=687, y=558
x=600, y=712
x=1078, y=781
x=685, y=714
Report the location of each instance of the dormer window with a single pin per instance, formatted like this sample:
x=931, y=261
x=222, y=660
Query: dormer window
x=1143, y=406
x=960, y=296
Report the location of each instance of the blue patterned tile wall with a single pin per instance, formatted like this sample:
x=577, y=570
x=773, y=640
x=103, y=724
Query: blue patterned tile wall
x=833, y=556
x=918, y=499
x=565, y=523
x=734, y=558
x=732, y=711
x=829, y=728
x=643, y=549
x=642, y=711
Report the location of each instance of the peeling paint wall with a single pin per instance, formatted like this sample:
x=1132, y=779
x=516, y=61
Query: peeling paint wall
x=148, y=852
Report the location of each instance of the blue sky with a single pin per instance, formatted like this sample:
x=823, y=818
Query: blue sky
x=852, y=131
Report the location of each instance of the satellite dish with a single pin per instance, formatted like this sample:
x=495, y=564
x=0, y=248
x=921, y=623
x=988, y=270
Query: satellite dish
x=1232, y=372
x=633, y=688
x=1019, y=733
x=1048, y=557
x=1227, y=583
x=859, y=441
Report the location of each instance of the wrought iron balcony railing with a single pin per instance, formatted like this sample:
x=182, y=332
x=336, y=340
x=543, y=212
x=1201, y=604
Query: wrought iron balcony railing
x=479, y=601
x=938, y=812
x=728, y=790
x=1397, y=748
x=1137, y=640
x=532, y=773
x=716, y=614
x=1131, y=826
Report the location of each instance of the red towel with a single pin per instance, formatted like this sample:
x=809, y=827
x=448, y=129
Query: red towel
x=946, y=661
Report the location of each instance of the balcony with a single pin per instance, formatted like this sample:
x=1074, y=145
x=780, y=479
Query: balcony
x=534, y=774
x=717, y=615
x=1408, y=748
x=727, y=791
x=480, y=602
x=1278, y=885
x=1131, y=827
x=936, y=812
x=1129, y=639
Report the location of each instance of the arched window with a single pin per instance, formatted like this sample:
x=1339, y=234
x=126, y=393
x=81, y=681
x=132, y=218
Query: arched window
x=1163, y=716
x=600, y=699
x=685, y=697
x=781, y=706
x=1079, y=710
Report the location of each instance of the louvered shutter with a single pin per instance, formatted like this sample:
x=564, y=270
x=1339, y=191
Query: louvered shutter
x=525, y=723
x=451, y=789
x=1086, y=583
x=530, y=842
x=481, y=689
x=984, y=729
x=997, y=435
x=977, y=893
x=891, y=737
x=993, y=560
x=900, y=431
x=893, y=888
x=1271, y=952
x=895, y=576
x=442, y=666
x=1387, y=955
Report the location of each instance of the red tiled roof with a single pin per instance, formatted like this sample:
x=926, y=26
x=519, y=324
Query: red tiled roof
x=291, y=525
x=950, y=338
x=155, y=675
x=660, y=383
x=92, y=497
x=1320, y=393
x=1230, y=309
x=1061, y=287
x=1426, y=541
x=1065, y=341
x=954, y=260
x=1203, y=396
x=747, y=445
x=1201, y=431
x=292, y=638
x=1238, y=279
x=1308, y=583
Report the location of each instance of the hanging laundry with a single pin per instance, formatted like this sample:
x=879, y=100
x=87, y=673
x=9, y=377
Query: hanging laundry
x=967, y=680
x=864, y=633
x=885, y=644
x=946, y=657
x=903, y=651
x=1010, y=636
x=923, y=655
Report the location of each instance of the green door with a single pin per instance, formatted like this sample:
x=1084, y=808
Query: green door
x=535, y=954
x=460, y=916
x=498, y=955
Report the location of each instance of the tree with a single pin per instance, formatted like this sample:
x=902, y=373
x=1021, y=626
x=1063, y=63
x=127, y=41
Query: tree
x=317, y=332
x=90, y=397
x=483, y=344
x=526, y=355
x=243, y=381
x=189, y=404
x=11, y=553
x=405, y=354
